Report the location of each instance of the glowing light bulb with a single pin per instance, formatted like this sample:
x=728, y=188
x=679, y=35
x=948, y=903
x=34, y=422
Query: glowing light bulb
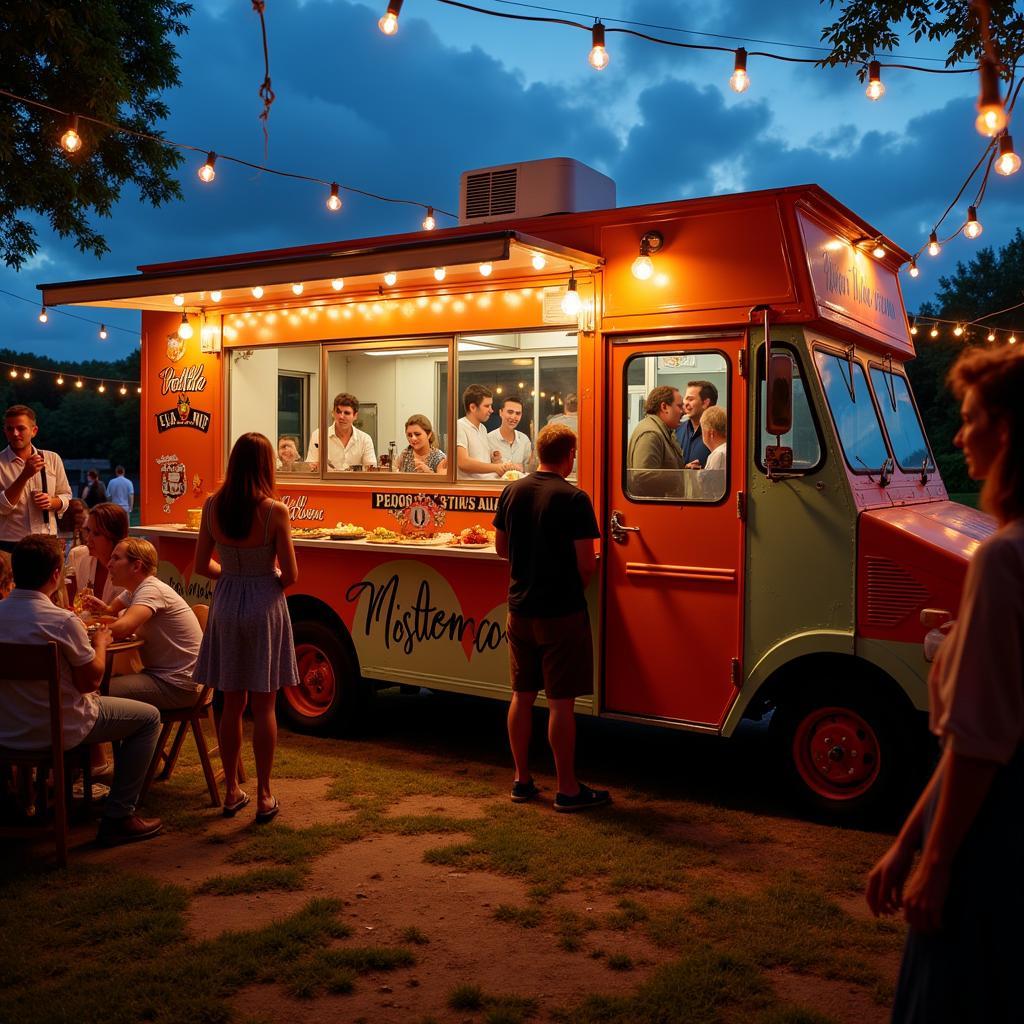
x=739, y=80
x=122, y=390
x=103, y=332
x=875, y=89
x=179, y=300
x=643, y=268
x=71, y=141
x=102, y=388
x=991, y=335
x=440, y=273
x=914, y=269
x=184, y=328
x=429, y=222
x=991, y=118
x=934, y=332
x=215, y=296
x=486, y=269
x=14, y=373
x=879, y=251
x=257, y=292
x=571, y=299
x=298, y=288
x=334, y=200
x=60, y=379
x=138, y=391
x=338, y=283
x=388, y=24
x=78, y=383
x=538, y=261
x=27, y=375
x=958, y=331
x=913, y=327
x=598, y=56
x=933, y=245
x=43, y=315
x=1007, y=162
x=973, y=226
x=1013, y=339
x=206, y=172
x=390, y=278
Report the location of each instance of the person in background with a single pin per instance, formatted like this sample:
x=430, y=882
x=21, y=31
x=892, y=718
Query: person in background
x=653, y=448
x=121, y=491
x=165, y=623
x=713, y=426
x=93, y=492
x=248, y=650
x=29, y=616
x=473, y=449
x=105, y=526
x=964, y=897
x=422, y=454
x=546, y=529
x=570, y=416
x=34, y=489
x=512, y=445
x=6, y=575
x=347, y=445
x=699, y=395
x=70, y=523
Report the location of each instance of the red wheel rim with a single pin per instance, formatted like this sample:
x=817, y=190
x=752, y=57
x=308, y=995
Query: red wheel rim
x=836, y=753
x=317, y=685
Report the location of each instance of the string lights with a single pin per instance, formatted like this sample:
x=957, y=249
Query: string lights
x=739, y=80
x=598, y=56
x=1007, y=162
x=875, y=89
x=26, y=373
x=388, y=24
x=71, y=141
x=206, y=172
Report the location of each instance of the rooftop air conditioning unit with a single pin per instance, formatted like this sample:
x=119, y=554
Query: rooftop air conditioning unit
x=535, y=188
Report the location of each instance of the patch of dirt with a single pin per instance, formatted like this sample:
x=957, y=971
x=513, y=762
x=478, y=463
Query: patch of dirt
x=838, y=999
x=445, y=806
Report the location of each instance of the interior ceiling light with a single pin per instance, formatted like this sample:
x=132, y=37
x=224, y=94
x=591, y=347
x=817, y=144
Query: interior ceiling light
x=538, y=261
x=179, y=300
x=973, y=226
x=739, y=80
x=71, y=141
x=643, y=266
x=257, y=292
x=875, y=89
x=486, y=269
x=216, y=296
x=1007, y=162
x=388, y=24
x=440, y=273
x=390, y=278
x=991, y=118
x=206, y=172
x=338, y=283
x=334, y=199
x=298, y=288
x=429, y=222
x=598, y=56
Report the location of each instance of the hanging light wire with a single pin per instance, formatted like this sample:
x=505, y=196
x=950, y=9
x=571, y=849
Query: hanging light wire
x=74, y=316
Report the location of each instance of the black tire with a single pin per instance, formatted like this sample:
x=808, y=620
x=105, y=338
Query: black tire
x=847, y=752
x=331, y=695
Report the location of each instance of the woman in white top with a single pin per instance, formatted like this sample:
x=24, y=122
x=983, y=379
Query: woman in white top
x=105, y=527
x=964, y=897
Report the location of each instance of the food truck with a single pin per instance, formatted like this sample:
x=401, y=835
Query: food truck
x=792, y=581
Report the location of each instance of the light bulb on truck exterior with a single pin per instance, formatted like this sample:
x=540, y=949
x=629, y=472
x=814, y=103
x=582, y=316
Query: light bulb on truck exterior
x=571, y=299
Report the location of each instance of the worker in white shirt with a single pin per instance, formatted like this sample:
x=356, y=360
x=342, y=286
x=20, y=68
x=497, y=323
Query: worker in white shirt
x=34, y=489
x=347, y=445
x=513, y=445
x=476, y=459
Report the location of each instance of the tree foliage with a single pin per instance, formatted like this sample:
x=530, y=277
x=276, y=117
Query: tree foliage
x=106, y=59
x=867, y=28
x=988, y=282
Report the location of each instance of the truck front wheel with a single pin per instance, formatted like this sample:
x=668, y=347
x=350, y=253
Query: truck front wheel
x=845, y=751
x=329, y=695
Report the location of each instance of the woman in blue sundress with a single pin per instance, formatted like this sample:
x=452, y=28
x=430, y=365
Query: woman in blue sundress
x=248, y=652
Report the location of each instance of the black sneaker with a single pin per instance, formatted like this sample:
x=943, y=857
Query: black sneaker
x=524, y=791
x=584, y=800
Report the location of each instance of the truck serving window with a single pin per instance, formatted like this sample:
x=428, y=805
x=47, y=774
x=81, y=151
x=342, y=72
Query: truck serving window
x=906, y=435
x=803, y=438
x=860, y=433
x=673, y=465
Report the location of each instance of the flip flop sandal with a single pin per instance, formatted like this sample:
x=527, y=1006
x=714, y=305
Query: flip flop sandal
x=230, y=810
x=262, y=817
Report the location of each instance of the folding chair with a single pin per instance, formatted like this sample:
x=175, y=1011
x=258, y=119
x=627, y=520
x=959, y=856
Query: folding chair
x=40, y=663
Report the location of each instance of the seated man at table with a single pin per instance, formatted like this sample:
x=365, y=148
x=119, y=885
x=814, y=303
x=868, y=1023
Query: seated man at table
x=165, y=623
x=29, y=616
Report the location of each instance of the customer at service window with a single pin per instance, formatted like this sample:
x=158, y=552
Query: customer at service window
x=29, y=616
x=964, y=898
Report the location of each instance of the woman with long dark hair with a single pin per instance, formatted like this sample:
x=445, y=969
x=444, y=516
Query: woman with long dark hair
x=964, y=898
x=248, y=651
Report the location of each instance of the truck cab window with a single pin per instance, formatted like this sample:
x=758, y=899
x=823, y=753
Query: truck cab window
x=853, y=411
x=676, y=434
x=906, y=435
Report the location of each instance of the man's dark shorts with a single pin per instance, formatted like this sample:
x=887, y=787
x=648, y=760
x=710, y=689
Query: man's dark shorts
x=555, y=655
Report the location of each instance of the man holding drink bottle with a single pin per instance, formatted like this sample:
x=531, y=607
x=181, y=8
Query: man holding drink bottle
x=34, y=489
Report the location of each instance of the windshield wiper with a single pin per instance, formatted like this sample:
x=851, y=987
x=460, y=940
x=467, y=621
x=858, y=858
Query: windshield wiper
x=884, y=474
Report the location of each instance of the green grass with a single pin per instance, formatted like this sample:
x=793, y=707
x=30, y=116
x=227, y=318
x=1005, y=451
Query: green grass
x=508, y=1009
x=466, y=997
x=278, y=878
x=413, y=936
x=525, y=917
x=619, y=962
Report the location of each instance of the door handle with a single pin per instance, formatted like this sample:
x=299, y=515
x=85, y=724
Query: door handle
x=617, y=530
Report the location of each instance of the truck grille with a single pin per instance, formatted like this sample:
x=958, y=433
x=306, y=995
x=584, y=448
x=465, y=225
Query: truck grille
x=492, y=193
x=892, y=593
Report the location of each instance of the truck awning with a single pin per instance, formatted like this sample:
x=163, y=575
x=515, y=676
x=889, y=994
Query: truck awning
x=511, y=253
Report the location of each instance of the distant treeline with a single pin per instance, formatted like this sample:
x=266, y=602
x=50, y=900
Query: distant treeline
x=79, y=423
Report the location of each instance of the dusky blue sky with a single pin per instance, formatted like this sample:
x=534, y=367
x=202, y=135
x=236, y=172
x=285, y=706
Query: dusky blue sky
x=404, y=116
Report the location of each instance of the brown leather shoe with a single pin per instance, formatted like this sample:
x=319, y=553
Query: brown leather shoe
x=133, y=829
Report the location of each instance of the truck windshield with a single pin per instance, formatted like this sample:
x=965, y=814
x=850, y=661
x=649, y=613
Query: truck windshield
x=860, y=433
x=906, y=435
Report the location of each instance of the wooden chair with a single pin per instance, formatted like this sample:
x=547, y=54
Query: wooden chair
x=41, y=663
x=185, y=719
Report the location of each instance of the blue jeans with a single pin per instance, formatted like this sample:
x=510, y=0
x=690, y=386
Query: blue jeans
x=137, y=727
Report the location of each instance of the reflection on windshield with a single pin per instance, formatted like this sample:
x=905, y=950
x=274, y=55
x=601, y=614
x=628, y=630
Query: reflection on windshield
x=856, y=421
x=905, y=433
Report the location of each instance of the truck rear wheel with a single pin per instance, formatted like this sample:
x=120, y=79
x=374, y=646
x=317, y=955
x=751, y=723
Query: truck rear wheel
x=845, y=751
x=329, y=696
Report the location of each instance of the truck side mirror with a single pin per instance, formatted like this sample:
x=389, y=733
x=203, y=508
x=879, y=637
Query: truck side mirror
x=778, y=413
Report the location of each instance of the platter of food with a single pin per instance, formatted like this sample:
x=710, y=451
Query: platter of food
x=436, y=541
x=512, y=474
x=382, y=535
x=348, y=531
x=473, y=537
x=309, y=532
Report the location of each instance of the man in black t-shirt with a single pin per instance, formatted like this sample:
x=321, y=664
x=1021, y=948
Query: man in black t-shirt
x=546, y=529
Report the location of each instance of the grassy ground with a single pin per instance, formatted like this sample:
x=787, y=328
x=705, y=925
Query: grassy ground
x=687, y=910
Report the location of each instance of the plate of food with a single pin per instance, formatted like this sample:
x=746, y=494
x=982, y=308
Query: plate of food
x=309, y=532
x=382, y=535
x=512, y=474
x=435, y=541
x=473, y=537
x=348, y=531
